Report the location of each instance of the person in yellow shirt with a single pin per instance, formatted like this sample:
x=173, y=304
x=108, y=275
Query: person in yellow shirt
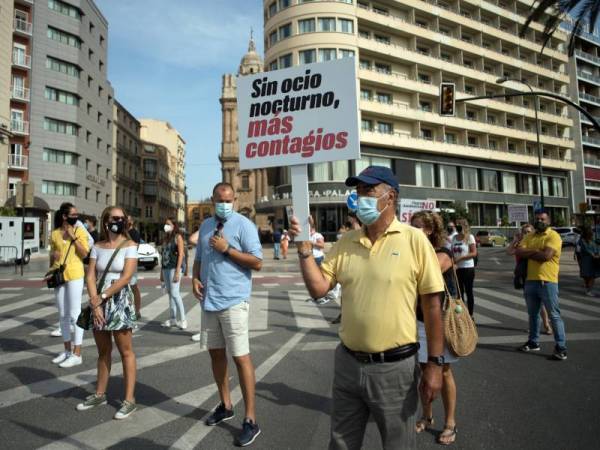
x=383, y=268
x=542, y=249
x=69, y=245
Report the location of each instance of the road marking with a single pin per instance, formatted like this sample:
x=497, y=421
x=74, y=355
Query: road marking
x=23, y=303
x=521, y=338
x=259, y=311
x=484, y=320
x=285, y=276
x=321, y=345
x=196, y=434
x=521, y=301
x=269, y=284
x=20, y=320
x=578, y=304
x=307, y=314
x=516, y=314
x=299, y=284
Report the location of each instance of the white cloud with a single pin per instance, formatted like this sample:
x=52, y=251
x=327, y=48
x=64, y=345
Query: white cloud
x=199, y=34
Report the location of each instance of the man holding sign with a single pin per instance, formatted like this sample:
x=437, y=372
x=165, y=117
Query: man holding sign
x=382, y=268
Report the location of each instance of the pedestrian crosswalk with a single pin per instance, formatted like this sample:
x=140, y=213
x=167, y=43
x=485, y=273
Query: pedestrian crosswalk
x=25, y=345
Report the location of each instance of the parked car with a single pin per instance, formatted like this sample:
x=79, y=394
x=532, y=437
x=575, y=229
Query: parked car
x=148, y=256
x=491, y=238
x=569, y=235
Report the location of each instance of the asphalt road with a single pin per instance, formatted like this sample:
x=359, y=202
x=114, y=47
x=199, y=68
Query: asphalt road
x=506, y=399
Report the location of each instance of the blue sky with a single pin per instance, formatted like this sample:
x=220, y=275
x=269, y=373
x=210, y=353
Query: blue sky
x=167, y=63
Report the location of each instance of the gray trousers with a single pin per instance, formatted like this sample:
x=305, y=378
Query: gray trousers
x=386, y=391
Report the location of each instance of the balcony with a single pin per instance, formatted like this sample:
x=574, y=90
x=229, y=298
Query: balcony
x=21, y=60
x=587, y=56
x=589, y=98
x=17, y=162
x=588, y=77
x=22, y=26
x=19, y=127
x=590, y=140
x=19, y=93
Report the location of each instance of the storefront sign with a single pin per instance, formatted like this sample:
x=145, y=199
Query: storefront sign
x=518, y=213
x=408, y=207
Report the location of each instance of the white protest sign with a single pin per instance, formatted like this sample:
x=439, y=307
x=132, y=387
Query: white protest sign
x=518, y=213
x=298, y=116
x=409, y=206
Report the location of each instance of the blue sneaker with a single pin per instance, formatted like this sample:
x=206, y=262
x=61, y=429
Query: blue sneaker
x=250, y=431
x=219, y=415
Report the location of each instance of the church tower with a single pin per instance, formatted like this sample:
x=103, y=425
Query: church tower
x=250, y=185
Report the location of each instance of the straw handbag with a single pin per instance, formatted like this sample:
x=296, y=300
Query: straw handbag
x=460, y=331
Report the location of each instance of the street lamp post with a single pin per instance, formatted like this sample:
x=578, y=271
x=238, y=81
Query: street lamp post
x=537, y=132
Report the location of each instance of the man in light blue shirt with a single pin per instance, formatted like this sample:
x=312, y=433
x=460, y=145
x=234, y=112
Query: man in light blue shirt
x=228, y=250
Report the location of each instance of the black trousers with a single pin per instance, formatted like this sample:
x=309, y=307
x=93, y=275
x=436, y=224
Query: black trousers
x=466, y=278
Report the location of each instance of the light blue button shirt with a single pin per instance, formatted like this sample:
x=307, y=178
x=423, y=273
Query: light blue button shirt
x=226, y=283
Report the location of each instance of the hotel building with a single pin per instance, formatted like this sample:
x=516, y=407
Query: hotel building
x=484, y=158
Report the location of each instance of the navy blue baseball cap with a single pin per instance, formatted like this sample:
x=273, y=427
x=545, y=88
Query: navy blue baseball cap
x=374, y=175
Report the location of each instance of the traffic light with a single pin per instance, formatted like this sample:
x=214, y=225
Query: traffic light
x=447, y=99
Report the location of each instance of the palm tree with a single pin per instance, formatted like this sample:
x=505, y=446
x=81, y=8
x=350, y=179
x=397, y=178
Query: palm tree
x=583, y=12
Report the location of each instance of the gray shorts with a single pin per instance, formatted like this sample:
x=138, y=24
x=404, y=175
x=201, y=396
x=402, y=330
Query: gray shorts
x=227, y=329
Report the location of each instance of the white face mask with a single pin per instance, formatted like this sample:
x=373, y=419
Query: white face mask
x=168, y=228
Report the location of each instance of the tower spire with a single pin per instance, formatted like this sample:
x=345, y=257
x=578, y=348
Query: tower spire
x=251, y=45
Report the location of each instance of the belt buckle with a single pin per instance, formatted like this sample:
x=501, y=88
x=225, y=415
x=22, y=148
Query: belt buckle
x=362, y=357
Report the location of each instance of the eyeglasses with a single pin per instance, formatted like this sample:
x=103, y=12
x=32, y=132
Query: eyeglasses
x=117, y=218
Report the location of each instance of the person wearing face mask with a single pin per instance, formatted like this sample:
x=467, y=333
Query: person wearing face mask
x=464, y=250
x=69, y=246
x=172, y=254
x=113, y=262
x=383, y=268
x=450, y=233
x=228, y=251
x=542, y=250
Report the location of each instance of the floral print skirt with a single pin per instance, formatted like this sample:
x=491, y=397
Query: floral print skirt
x=119, y=311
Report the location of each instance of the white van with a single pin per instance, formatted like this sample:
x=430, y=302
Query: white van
x=10, y=239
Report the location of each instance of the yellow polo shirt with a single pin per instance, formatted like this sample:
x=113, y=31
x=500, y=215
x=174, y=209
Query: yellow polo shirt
x=543, y=271
x=380, y=285
x=74, y=264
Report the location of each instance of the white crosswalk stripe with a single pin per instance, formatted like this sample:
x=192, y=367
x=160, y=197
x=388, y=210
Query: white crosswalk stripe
x=307, y=314
x=17, y=304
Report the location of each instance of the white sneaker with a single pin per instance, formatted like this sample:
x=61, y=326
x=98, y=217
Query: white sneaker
x=56, y=332
x=71, y=361
x=196, y=337
x=182, y=324
x=590, y=294
x=168, y=323
x=61, y=357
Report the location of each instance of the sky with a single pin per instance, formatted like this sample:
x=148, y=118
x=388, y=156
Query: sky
x=167, y=63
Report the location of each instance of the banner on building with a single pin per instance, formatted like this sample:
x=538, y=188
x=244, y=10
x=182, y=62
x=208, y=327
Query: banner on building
x=299, y=115
x=518, y=214
x=409, y=206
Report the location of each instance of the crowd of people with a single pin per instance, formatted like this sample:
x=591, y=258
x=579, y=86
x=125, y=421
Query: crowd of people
x=393, y=280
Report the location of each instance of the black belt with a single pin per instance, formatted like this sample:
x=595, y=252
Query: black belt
x=391, y=355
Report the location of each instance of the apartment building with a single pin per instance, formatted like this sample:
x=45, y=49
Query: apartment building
x=6, y=38
x=20, y=15
x=163, y=134
x=250, y=185
x=197, y=212
x=486, y=157
x=585, y=90
x=127, y=161
x=157, y=191
x=69, y=134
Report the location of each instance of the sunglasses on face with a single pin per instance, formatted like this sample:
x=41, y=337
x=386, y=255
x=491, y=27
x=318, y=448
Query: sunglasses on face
x=117, y=218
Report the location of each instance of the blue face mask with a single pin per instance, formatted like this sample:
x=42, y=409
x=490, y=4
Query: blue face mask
x=367, y=211
x=224, y=210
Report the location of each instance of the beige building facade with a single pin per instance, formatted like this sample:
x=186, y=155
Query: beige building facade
x=127, y=161
x=6, y=33
x=163, y=134
x=486, y=156
x=250, y=185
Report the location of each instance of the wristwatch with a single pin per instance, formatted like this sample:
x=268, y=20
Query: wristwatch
x=437, y=360
x=305, y=249
x=103, y=296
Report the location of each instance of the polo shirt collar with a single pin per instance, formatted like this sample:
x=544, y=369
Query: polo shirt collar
x=394, y=227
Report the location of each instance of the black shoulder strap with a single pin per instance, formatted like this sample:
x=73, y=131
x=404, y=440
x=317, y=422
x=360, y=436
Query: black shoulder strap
x=67, y=254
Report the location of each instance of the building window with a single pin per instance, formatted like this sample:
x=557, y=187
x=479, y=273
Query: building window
x=273, y=38
x=273, y=65
x=246, y=182
x=63, y=37
x=307, y=56
x=60, y=126
x=65, y=97
x=382, y=97
x=327, y=54
x=62, y=66
x=425, y=106
x=60, y=157
x=65, y=8
x=284, y=4
x=450, y=138
x=346, y=53
x=365, y=94
x=383, y=68
x=306, y=26
x=150, y=166
x=509, y=183
x=469, y=178
x=327, y=24
x=364, y=64
x=366, y=125
x=385, y=127
x=346, y=26
x=490, y=180
x=285, y=31
x=383, y=39
x=59, y=188
x=424, y=174
x=424, y=78
x=366, y=161
x=448, y=176
x=285, y=61
x=426, y=134
x=558, y=187
x=472, y=141
x=272, y=9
